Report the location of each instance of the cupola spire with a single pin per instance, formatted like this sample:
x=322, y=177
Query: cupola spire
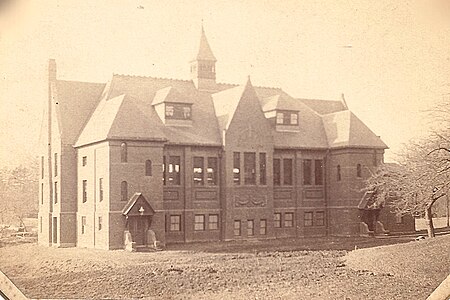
x=203, y=67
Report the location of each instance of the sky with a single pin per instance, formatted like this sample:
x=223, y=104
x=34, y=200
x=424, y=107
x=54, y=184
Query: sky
x=391, y=59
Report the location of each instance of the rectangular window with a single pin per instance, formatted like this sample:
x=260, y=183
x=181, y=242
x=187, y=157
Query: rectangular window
x=237, y=168
x=164, y=170
x=280, y=118
x=42, y=193
x=237, y=228
x=56, y=192
x=198, y=170
x=262, y=169
x=173, y=176
x=199, y=223
x=175, y=223
x=318, y=171
x=307, y=171
x=84, y=191
x=276, y=171
x=288, y=219
x=100, y=223
x=178, y=111
x=42, y=167
x=56, y=164
x=84, y=161
x=249, y=168
x=308, y=219
x=294, y=118
x=83, y=224
x=213, y=222
x=320, y=218
x=263, y=227
x=287, y=170
x=211, y=171
x=100, y=189
x=277, y=220
x=250, y=228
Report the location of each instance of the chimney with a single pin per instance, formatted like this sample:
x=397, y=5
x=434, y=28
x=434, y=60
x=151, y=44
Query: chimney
x=51, y=70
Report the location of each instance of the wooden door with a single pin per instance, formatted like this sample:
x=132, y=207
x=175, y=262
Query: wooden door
x=138, y=229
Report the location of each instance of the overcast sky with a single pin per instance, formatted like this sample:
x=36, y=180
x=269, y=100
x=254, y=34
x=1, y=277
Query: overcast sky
x=391, y=59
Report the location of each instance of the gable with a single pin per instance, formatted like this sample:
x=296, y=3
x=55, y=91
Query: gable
x=138, y=206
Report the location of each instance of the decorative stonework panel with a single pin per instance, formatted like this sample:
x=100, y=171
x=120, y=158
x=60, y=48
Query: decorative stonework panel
x=250, y=200
x=314, y=194
x=282, y=195
x=170, y=195
x=205, y=195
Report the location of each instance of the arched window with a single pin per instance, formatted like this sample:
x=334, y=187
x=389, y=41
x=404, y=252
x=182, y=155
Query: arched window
x=358, y=170
x=124, y=191
x=148, y=168
x=338, y=174
x=123, y=152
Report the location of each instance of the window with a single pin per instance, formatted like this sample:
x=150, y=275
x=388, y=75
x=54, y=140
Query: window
x=320, y=218
x=287, y=165
x=123, y=152
x=198, y=170
x=237, y=168
x=308, y=219
x=84, y=191
x=262, y=169
x=263, y=227
x=124, y=191
x=307, y=171
x=100, y=223
x=287, y=118
x=148, y=167
x=199, y=222
x=173, y=176
x=375, y=160
x=42, y=193
x=237, y=228
x=100, y=189
x=318, y=171
x=288, y=219
x=164, y=170
x=175, y=223
x=294, y=118
x=178, y=111
x=213, y=222
x=250, y=228
x=40, y=224
x=358, y=170
x=42, y=167
x=211, y=171
x=83, y=224
x=56, y=164
x=276, y=171
x=249, y=168
x=280, y=118
x=338, y=173
x=84, y=161
x=56, y=192
x=277, y=220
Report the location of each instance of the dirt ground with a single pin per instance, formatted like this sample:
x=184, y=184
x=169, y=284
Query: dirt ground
x=286, y=269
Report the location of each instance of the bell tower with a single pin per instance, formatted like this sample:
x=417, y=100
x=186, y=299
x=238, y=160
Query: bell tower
x=203, y=66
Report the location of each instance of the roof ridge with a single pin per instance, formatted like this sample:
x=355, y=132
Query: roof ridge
x=255, y=86
x=149, y=77
x=76, y=81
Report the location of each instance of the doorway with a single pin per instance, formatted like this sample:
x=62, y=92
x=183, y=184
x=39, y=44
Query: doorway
x=138, y=227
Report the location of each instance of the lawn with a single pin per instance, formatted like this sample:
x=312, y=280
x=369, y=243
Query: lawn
x=288, y=269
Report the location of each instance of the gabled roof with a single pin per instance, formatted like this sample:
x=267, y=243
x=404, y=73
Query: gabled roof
x=170, y=95
x=142, y=208
x=204, y=50
x=324, y=107
x=344, y=129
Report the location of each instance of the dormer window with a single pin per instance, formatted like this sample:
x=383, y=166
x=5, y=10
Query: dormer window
x=287, y=118
x=178, y=111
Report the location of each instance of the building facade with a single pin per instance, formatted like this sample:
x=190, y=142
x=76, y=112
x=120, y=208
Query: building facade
x=195, y=160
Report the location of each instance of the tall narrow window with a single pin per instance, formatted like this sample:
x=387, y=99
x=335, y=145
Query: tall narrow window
x=211, y=171
x=250, y=228
x=84, y=161
x=198, y=170
x=40, y=224
x=123, y=152
x=100, y=189
x=320, y=218
x=338, y=173
x=318, y=171
x=288, y=220
x=148, y=168
x=280, y=118
x=287, y=168
x=237, y=228
x=175, y=223
x=42, y=193
x=100, y=223
x=199, y=222
x=375, y=160
x=358, y=170
x=213, y=222
x=237, y=168
x=56, y=192
x=308, y=219
x=42, y=167
x=164, y=168
x=83, y=224
x=294, y=118
x=262, y=169
x=84, y=191
x=276, y=171
x=56, y=164
x=249, y=168
x=173, y=175
x=307, y=172
x=263, y=227
x=277, y=220
x=124, y=191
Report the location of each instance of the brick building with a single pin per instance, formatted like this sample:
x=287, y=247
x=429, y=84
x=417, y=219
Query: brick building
x=197, y=160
